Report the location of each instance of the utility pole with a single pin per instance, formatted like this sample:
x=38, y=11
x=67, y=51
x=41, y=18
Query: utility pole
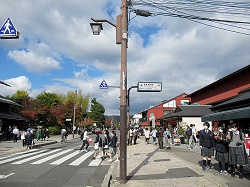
x=74, y=117
x=123, y=94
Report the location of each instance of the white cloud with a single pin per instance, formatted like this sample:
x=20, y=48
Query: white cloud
x=17, y=83
x=183, y=55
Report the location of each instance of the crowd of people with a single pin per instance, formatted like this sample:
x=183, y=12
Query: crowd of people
x=226, y=144
x=105, y=147
x=27, y=136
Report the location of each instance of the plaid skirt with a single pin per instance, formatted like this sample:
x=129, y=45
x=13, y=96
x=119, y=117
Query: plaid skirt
x=221, y=157
x=207, y=151
x=237, y=156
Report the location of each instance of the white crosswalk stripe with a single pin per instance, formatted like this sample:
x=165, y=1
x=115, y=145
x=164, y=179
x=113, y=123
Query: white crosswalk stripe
x=22, y=156
x=52, y=157
x=34, y=157
x=81, y=159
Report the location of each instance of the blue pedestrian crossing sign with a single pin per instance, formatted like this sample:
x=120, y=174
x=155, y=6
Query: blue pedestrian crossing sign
x=8, y=30
x=104, y=85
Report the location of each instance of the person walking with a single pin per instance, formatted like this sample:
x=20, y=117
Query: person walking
x=98, y=146
x=147, y=135
x=15, y=133
x=166, y=134
x=112, y=146
x=207, y=146
x=188, y=133
x=237, y=152
x=106, y=140
x=222, y=148
x=160, y=137
x=153, y=134
x=85, y=141
x=191, y=138
x=136, y=134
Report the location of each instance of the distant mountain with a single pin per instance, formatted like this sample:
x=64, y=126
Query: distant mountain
x=117, y=118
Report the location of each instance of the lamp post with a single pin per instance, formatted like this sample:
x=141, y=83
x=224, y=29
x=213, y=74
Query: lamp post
x=121, y=38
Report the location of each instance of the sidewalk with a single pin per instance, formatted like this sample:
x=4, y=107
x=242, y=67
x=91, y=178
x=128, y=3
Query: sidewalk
x=9, y=147
x=149, y=166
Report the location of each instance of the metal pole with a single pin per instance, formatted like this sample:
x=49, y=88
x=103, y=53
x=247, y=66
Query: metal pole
x=128, y=101
x=123, y=96
x=74, y=117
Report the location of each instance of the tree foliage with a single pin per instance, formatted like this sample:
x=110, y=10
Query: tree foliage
x=97, y=112
x=52, y=109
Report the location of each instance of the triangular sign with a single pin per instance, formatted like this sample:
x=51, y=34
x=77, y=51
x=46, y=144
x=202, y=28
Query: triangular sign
x=104, y=85
x=8, y=29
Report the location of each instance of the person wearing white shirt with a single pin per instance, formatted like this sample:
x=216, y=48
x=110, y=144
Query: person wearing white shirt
x=15, y=133
x=85, y=141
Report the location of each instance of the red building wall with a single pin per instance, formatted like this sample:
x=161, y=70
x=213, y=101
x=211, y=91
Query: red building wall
x=224, y=88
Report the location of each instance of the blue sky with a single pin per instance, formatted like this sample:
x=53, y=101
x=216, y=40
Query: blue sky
x=57, y=51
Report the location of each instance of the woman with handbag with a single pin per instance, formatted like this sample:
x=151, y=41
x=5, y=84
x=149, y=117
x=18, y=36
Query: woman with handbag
x=98, y=146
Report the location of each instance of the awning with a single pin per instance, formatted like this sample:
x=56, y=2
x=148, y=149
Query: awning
x=238, y=113
x=10, y=115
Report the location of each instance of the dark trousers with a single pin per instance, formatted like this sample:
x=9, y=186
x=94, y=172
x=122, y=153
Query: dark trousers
x=15, y=137
x=160, y=141
x=84, y=142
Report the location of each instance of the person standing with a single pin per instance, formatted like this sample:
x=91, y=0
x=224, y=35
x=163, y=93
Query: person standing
x=85, y=141
x=222, y=141
x=166, y=134
x=237, y=152
x=38, y=134
x=136, y=134
x=47, y=134
x=131, y=135
x=207, y=146
x=147, y=135
x=106, y=140
x=23, y=134
x=191, y=139
x=160, y=137
x=28, y=140
x=153, y=134
x=15, y=133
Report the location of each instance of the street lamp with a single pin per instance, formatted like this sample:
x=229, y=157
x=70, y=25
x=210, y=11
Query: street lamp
x=96, y=28
x=121, y=38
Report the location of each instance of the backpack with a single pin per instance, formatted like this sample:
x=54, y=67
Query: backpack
x=240, y=133
x=189, y=131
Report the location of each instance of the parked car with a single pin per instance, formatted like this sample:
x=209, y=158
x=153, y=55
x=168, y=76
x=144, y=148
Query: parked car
x=98, y=130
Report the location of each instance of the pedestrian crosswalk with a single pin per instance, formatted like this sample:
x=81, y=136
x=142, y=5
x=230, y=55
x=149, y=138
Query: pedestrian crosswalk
x=72, y=157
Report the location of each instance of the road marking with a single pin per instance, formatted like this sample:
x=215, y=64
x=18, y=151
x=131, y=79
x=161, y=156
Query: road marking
x=28, y=151
x=78, y=161
x=95, y=162
x=34, y=157
x=51, y=157
x=25, y=155
x=63, y=159
x=5, y=176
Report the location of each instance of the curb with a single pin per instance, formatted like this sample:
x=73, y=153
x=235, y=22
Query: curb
x=108, y=179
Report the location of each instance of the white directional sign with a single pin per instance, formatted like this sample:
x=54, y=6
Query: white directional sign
x=104, y=85
x=149, y=87
x=8, y=30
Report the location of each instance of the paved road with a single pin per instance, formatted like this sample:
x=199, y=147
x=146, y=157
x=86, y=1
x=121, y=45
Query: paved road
x=59, y=164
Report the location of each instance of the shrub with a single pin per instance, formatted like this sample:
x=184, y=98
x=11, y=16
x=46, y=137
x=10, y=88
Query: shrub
x=56, y=130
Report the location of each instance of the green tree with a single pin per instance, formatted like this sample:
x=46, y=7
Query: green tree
x=97, y=112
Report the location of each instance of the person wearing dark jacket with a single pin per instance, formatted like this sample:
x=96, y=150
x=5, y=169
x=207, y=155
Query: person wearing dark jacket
x=112, y=146
x=222, y=141
x=207, y=146
x=160, y=136
x=98, y=146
